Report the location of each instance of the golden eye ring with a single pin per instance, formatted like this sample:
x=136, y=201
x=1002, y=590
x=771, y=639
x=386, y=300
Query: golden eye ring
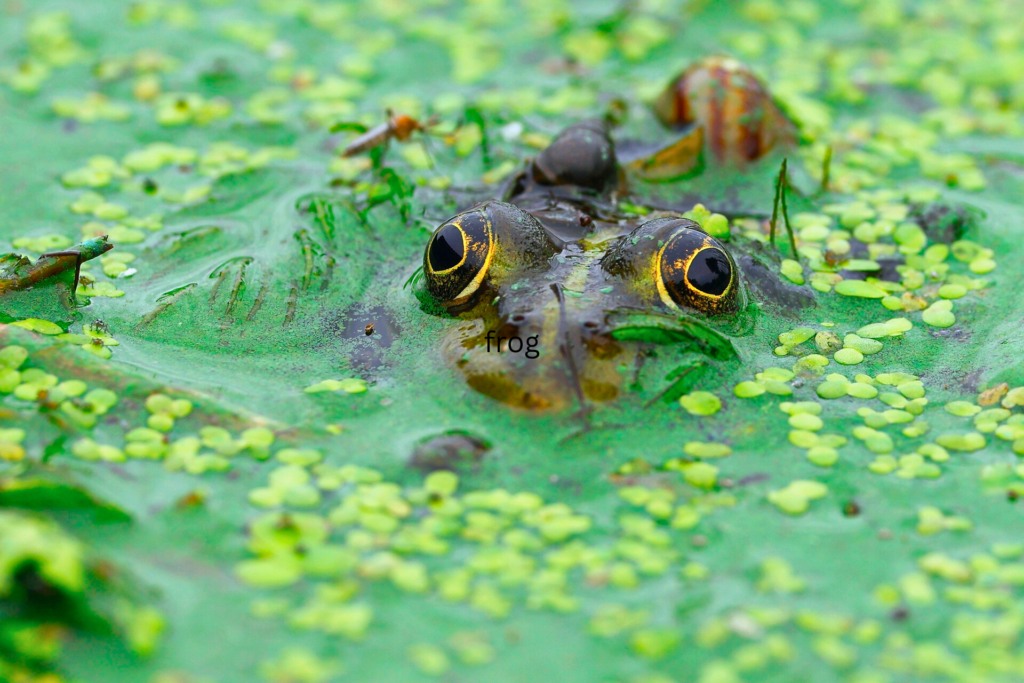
x=461, y=261
x=693, y=271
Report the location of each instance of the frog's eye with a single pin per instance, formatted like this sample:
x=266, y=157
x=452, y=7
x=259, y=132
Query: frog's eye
x=674, y=261
x=458, y=256
x=694, y=271
x=482, y=244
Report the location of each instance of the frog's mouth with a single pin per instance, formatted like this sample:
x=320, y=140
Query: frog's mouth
x=579, y=359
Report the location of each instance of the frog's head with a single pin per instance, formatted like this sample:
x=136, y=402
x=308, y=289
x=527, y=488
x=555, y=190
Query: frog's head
x=544, y=312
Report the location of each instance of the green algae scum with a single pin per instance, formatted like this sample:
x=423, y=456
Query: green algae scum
x=254, y=256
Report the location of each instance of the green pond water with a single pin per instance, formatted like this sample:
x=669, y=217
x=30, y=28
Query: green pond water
x=236, y=483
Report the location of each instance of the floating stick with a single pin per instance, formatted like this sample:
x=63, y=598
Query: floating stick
x=55, y=263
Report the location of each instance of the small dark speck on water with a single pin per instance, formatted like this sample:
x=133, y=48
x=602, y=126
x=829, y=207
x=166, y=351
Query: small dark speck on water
x=753, y=478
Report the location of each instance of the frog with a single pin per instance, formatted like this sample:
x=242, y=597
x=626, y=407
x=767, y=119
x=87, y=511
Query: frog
x=557, y=291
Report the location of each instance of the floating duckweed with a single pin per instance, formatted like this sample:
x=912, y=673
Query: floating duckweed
x=442, y=483
x=861, y=390
x=655, y=643
x=848, y=356
x=913, y=389
x=700, y=403
x=952, y=291
x=302, y=457
x=266, y=497
x=796, y=496
x=803, y=439
x=913, y=466
x=1014, y=397
x=10, y=448
x=981, y=266
x=872, y=419
x=792, y=271
x=971, y=441
x=834, y=651
x=823, y=282
x=779, y=388
x=748, y=389
x=472, y=648
x=916, y=406
x=962, y=408
x=429, y=659
x=349, y=386
x=934, y=452
x=916, y=429
x=890, y=328
x=894, y=416
x=179, y=109
x=796, y=336
x=700, y=474
x=87, y=449
x=931, y=520
x=104, y=289
x=813, y=364
x=864, y=345
x=776, y=374
x=831, y=389
x=798, y=407
x=966, y=251
x=704, y=449
x=41, y=326
x=1011, y=431
x=12, y=357
x=823, y=456
x=874, y=440
x=161, y=421
x=298, y=665
x=859, y=288
x=992, y=415
x=777, y=576
x=806, y=421
x=686, y=517
x=939, y=314
x=883, y=464
x=258, y=440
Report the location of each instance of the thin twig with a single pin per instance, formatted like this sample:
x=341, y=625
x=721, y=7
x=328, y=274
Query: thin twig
x=785, y=211
x=775, y=203
x=826, y=169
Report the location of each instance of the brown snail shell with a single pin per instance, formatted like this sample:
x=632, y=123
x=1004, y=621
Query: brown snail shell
x=740, y=120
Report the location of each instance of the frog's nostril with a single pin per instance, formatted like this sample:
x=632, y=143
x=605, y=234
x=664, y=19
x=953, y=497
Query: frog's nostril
x=518, y=318
x=591, y=325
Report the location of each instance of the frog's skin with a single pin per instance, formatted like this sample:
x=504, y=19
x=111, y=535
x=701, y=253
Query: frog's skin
x=569, y=270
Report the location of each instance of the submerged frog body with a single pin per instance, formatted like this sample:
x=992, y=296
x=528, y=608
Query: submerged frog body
x=545, y=282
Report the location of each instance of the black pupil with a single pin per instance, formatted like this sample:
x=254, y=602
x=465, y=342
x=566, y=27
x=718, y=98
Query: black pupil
x=710, y=272
x=447, y=249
